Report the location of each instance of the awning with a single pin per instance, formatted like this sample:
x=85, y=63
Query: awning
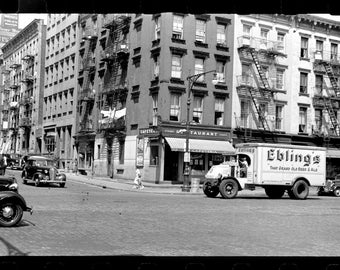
x=333, y=153
x=201, y=146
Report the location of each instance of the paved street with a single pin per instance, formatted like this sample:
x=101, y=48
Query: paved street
x=81, y=219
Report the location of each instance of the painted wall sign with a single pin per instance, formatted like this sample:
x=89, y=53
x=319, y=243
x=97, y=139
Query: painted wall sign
x=140, y=152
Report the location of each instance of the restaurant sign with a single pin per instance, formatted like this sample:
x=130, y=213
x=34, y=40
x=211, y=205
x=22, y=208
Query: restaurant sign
x=199, y=133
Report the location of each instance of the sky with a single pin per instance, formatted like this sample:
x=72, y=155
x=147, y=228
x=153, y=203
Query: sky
x=27, y=18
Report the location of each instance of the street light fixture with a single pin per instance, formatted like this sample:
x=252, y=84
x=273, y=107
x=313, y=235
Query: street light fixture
x=186, y=174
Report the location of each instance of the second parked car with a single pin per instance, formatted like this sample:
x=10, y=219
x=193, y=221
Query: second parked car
x=42, y=170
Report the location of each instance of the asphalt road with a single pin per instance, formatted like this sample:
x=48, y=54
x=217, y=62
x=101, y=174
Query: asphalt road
x=85, y=220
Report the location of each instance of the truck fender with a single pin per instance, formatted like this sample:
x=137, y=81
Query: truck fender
x=301, y=178
x=11, y=196
x=233, y=178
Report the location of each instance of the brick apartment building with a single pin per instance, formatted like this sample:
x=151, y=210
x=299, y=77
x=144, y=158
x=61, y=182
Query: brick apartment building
x=22, y=90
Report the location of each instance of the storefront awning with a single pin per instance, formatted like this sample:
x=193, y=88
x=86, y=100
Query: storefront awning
x=333, y=153
x=201, y=146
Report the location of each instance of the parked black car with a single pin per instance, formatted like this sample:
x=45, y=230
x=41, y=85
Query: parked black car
x=42, y=170
x=12, y=204
x=14, y=162
x=332, y=187
x=8, y=183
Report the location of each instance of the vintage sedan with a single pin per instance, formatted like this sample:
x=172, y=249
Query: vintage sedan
x=8, y=183
x=42, y=170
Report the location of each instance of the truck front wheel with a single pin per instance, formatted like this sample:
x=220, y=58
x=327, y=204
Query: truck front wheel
x=300, y=190
x=228, y=188
x=209, y=190
x=274, y=192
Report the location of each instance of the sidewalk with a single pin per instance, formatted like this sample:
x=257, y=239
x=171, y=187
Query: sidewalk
x=127, y=185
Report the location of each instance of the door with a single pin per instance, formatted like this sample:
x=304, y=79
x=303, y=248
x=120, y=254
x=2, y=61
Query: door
x=170, y=164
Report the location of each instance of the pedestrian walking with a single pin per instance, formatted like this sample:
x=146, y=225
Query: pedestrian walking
x=138, y=180
x=3, y=164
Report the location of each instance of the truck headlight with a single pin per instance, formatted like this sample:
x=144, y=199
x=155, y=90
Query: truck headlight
x=45, y=171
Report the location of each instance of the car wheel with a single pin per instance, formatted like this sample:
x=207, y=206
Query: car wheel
x=336, y=192
x=10, y=214
x=23, y=176
x=300, y=190
x=228, y=188
x=210, y=191
x=62, y=185
x=274, y=192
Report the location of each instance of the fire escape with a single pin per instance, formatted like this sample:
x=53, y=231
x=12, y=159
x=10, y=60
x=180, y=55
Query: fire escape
x=330, y=101
x=87, y=96
x=256, y=86
x=114, y=91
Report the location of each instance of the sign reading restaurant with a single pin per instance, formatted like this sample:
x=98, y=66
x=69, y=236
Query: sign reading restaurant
x=181, y=131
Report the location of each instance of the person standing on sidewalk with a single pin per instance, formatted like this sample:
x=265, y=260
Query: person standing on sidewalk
x=138, y=180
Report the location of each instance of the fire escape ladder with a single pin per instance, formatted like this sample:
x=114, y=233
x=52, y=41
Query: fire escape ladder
x=330, y=74
x=332, y=116
x=86, y=83
x=259, y=116
x=264, y=80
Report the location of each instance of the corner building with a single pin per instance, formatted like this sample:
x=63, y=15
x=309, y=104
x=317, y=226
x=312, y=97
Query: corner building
x=133, y=93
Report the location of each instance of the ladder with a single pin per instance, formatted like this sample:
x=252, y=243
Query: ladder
x=259, y=116
x=330, y=74
x=327, y=101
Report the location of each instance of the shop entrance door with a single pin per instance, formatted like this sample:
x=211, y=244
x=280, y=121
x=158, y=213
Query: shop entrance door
x=170, y=165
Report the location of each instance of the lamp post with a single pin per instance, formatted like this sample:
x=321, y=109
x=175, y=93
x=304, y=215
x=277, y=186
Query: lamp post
x=186, y=174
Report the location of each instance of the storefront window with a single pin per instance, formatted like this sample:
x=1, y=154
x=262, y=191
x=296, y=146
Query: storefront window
x=197, y=164
x=214, y=159
x=154, y=155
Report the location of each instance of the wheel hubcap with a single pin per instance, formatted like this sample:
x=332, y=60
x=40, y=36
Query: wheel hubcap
x=7, y=211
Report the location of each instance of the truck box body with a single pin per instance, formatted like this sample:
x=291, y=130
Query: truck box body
x=281, y=164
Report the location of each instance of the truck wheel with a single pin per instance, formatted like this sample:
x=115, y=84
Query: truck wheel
x=274, y=192
x=300, y=190
x=210, y=191
x=228, y=188
x=336, y=192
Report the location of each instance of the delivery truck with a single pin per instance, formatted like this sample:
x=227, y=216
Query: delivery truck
x=278, y=168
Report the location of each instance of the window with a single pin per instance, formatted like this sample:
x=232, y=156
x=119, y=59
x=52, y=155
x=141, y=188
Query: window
x=221, y=34
x=303, y=82
x=264, y=38
x=318, y=84
x=318, y=120
x=154, y=109
x=220, y=71
x=198, y=110
x=49, y=144
x=157, y=28
x=319, y=47
x=246, y=30
x=176, y=66
x=200, y=30
x=175, y=107
x=279, y=79
x=154, y=155
x=244, y=113
x=304, y=47
x=219, y=111
x=278, y=117
x=334, y=52
x=177, y=28
x=121, y=151
x=199, y=68
x=156, y=66
x=302, y=119
x=281, y=41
